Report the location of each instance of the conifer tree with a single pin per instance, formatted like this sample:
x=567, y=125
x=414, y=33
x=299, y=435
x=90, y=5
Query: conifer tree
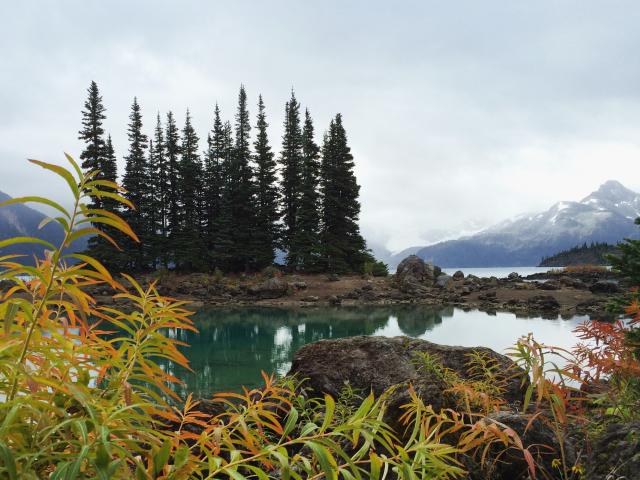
x=137, y=185
x=92, y=133
x=217, y=221
x=291, y=160
x=109, y=172
x=242, y=192
x=267, y=197
x=223, y=249
x=189, y=246
x=159, y=181
x=344, y=248
x=100, y=156
x=306, y=241
x=172, y=152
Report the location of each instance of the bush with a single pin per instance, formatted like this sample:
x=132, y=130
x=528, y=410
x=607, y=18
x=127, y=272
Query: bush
x=82, y=394
x=375, y=268
x=271, y=272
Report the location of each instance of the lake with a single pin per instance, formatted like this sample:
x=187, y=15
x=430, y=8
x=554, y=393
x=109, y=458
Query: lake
x=498, y=272
x=234, y=344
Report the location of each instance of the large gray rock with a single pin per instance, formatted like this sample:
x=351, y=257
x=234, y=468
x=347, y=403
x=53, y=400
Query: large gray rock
x=378, y=363
x=605, y=286
x=445, y=281
x=415, y=275
x=271, y=288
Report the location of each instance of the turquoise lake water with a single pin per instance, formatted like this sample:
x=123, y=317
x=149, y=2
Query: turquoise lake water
x=234, y=344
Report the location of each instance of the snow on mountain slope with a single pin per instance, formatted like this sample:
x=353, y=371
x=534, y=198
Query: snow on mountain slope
x=605, y=215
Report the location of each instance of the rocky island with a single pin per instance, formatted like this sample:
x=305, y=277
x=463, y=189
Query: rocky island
x=557, y=292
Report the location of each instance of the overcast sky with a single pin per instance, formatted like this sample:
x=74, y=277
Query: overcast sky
x=459, y=113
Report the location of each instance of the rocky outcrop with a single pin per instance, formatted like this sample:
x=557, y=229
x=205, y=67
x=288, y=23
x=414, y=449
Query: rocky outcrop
x=414, y=275
x=271, y=288
x=379, y=363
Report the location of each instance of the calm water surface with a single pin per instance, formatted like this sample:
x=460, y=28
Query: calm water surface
x=498, y=272
x=234, y=345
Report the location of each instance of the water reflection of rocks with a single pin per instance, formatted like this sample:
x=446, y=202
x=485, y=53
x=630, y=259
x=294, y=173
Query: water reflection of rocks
x=232, y=345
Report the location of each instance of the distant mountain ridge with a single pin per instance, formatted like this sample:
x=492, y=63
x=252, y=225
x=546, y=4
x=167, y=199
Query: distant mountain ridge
x=20, y=220
x=604, y=216
x=594, y=254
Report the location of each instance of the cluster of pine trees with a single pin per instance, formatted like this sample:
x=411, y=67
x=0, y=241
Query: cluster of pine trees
x=234, y=205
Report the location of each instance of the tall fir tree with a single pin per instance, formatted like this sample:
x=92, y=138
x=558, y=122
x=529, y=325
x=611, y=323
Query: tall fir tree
x=306, y=241
x=137, y=185
x=291, y=160
x=267, y=195
x=160, y=186
x=218, y=221
x=172, y=151
x=242, y=192
x=189, y=244
x=92, y=133
x=344, y=249
x=100, y=156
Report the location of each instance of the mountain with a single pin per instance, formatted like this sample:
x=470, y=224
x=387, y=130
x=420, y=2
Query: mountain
x=605, y=216
x=20, y=220
x=594, y=254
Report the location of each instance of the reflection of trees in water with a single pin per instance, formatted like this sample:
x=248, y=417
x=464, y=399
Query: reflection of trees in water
x=234, y=344
x=416, y=321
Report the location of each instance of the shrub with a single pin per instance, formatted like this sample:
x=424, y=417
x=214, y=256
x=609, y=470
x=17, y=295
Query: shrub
x=82, y=394
x=271, y=272
x=375, y=268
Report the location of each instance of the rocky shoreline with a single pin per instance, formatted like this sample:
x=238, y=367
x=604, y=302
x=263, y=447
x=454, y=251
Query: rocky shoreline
x=557, y=292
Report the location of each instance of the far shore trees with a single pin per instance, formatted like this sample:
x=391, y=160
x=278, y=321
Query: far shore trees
x=235, y=206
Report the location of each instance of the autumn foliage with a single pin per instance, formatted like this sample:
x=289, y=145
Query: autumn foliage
x=83, y=395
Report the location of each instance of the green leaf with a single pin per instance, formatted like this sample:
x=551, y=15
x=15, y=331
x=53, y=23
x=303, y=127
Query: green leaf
x=8, y=461
x=63, y=172
x=12, y=310
x=330, y=407
x=161, y=457
x=292, y=419
x=327, y=462
x=74, y=470
x=15, y=240
x=74, y=164
x=35, y=199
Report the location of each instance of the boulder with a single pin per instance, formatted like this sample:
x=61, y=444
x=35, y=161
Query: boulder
x=270, y=288
x=572, y=282
x=379, y=363
x=543, y=302
x=444, y=281
x=488, y=296
x=459, y=275
x=549, y=285
x=513, y=276
x=541, y=440
x=616, y=453
x=605, y=286
x=414, y=274
x=299, y=285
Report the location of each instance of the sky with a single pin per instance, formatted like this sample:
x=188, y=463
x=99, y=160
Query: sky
x=459, y=114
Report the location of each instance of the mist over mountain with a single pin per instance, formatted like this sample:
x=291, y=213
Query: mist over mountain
x=605, y=215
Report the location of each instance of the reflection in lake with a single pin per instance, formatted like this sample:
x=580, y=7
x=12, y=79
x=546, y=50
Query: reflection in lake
x=234, y=345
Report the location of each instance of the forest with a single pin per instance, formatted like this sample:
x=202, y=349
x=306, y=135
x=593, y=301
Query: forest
x=235, y=206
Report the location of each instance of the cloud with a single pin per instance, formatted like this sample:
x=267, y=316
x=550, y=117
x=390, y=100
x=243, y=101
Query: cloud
x=459, y=114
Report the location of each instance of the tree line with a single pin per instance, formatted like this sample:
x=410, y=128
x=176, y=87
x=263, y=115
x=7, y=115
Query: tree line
x=235, y=204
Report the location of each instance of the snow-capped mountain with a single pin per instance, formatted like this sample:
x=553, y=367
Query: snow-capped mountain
x=605, y=215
